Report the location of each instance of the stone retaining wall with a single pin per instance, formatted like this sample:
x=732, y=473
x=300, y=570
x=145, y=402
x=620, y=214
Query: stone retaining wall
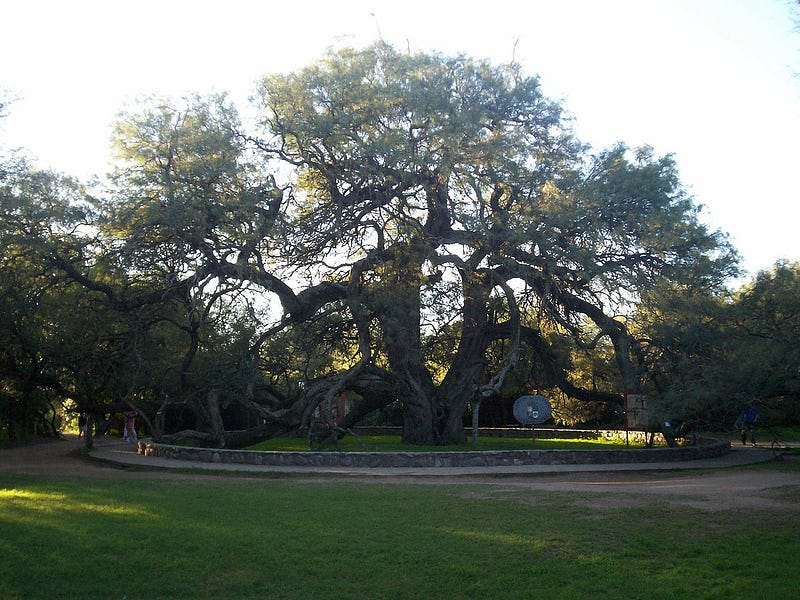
x=704, y=448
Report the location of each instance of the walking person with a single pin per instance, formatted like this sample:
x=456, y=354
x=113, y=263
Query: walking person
x=749, y=418
x=129, y=435
x=83, y=419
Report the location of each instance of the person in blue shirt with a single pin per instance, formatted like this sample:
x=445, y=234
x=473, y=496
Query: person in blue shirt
x=749, y=418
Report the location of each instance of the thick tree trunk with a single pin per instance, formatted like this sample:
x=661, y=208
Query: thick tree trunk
x=418, y=421
x=399, y=309
x=88, y=436
x=452, y=427
x=461, y=382
x=215, y=418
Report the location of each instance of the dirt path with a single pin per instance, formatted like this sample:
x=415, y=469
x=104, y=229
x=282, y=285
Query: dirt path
x=737, y=488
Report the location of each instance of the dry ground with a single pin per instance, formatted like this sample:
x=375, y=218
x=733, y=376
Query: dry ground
x=763, y=487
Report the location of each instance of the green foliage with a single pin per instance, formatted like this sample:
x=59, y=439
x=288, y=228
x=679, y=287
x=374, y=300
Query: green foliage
x=711, y=355
x=183, y=191
x=41, y=217
x=107, y=302
x=766, y=316
x=439, y=235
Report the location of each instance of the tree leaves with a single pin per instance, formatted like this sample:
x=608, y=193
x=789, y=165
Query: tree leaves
x=388, y=197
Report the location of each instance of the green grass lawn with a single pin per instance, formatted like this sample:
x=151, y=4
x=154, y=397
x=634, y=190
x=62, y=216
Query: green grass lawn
x=228, y=537
x=390, y=443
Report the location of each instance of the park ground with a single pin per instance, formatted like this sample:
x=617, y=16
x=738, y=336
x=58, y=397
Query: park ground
x=772, y=485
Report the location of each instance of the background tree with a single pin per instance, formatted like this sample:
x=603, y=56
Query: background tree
x=712, y=353
x=38, y=214
x=686, y=338
x=190, y=220
x=767, y=318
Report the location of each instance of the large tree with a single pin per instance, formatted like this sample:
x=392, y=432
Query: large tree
x=430, y=186
x=415, y=223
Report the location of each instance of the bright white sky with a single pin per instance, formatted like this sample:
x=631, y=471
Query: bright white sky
x=715, y=82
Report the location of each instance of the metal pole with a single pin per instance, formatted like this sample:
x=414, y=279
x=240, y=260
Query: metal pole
x=625, y=413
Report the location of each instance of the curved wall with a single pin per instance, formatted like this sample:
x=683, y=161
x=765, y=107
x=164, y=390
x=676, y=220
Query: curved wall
x=704, y=448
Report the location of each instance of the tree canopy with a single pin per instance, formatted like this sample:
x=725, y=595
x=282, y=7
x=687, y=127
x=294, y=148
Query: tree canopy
x=415, y=232
x=430, y=188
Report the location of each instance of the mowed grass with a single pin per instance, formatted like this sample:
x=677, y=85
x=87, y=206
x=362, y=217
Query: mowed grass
x=392, y=443
x=235, y=537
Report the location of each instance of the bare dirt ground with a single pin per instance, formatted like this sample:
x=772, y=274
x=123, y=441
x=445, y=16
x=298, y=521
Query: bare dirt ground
x=773, y=487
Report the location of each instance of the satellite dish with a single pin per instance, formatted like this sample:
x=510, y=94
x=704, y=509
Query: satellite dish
x=532, y=410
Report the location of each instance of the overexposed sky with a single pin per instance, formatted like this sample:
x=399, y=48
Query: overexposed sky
x=715, y=82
